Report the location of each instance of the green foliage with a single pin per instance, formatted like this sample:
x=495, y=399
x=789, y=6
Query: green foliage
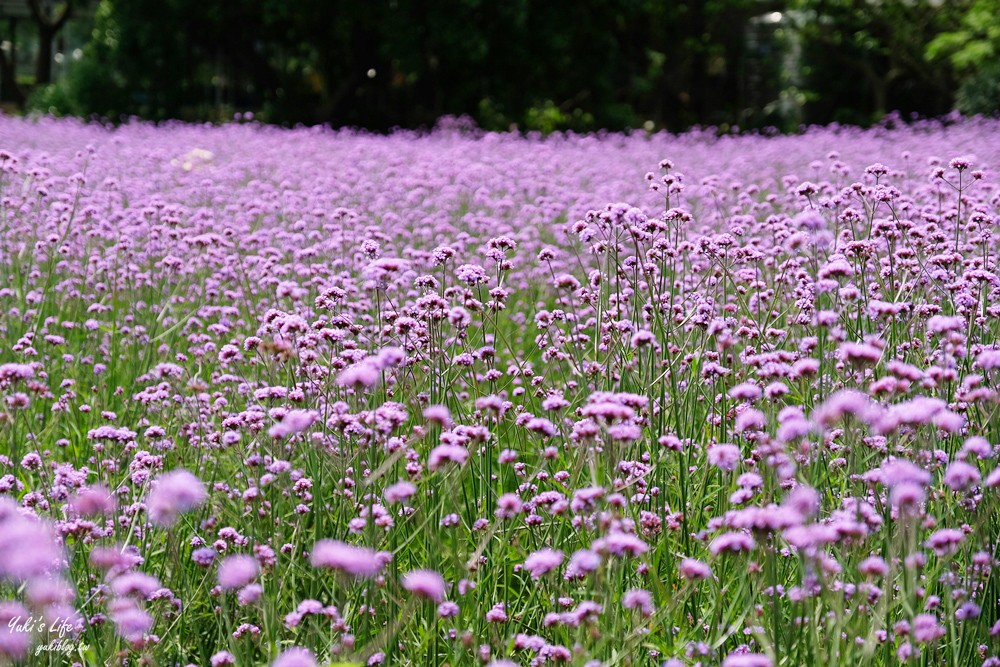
x=973, y=48
x=864, y=58
x=544, y=67
x=980, y=93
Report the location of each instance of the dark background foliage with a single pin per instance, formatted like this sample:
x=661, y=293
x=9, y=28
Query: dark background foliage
x=538, y=65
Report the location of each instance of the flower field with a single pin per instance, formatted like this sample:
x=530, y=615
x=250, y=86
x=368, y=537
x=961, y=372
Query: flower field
x=310, y=397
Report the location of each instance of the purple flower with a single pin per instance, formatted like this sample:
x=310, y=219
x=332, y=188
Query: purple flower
x=222, y=659
x=447, y=610
x=237, y=571
x=425, y=583
x=926, y=629
x=14, y=643
x=438, y=414
x=542, y=562
x=945, y=541
x=447, y=454
x=173, y=493
x=295, y=421
x=28, y=546
x=582, y=563
x=249, y=594
x=363, y=375
x=638, y=598
x=399, y=492
x=691, y=568
x=747, y=391
x=498, y=614
x=988, y=360
x=93, y=500
x=135, y=583
x=295, y=657
x=747, y=660
x=204, y=556
x=131, y=622
x=359, y=562
x=961, y=476
x=731, y=542
x=620, y=544
x=724, y=457
x=873, y=566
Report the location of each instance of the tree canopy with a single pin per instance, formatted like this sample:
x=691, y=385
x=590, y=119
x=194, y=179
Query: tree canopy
x=540, y=65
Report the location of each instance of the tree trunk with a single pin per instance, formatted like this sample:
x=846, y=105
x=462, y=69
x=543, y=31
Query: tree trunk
x=8, y=69
x=48, y=28
x=43, y=67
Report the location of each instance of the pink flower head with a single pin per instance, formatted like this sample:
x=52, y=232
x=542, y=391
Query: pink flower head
x=724, y=457
x=175, y=492
x=93, y=500
x=542, y=562
x=747, y=660
x=399, y=492
x=237, y=571
x=359, y=562
x=691, y=568
x=295, y=421
x=638, y=598
x=425, y=583
x=447, y=454
x=295, y=657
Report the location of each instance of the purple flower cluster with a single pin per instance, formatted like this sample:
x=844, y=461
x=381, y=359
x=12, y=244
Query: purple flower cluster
x=301, y=397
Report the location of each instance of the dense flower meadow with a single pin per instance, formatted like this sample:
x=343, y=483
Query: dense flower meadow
x=302, y=397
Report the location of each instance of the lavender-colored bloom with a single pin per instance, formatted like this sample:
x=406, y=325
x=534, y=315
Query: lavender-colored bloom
x=399, y=492
x=620, y=544
x=175, y=492
x=295, y=421
x=425, y=583
x=542, y=562
x=731, y=542
x=237, y=571
x=355, y=561
x=582, y=563
x=961, y=476
x=250, y=594
x=447, y=454
x=438, y=414
x=747, y=391
x=497, y=614
x=131, y=622
x=900, y=471
x=691, y=568
x=135, y=583
x=363, y=375
x=638, y=598
x=926, y=629
x=747, y=660
x=28, y=547
x=222, y=659
x=447, y=610
x=93, y=500
x=873, y=566
x=945, y=541
x=988, y=360
x=14, y=644
x=725, y=457
x=295, y=657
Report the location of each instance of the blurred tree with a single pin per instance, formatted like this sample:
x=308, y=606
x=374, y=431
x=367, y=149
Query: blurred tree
x=558, y=64
x=863, y=58
x=973, y=48
x=50, y=17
